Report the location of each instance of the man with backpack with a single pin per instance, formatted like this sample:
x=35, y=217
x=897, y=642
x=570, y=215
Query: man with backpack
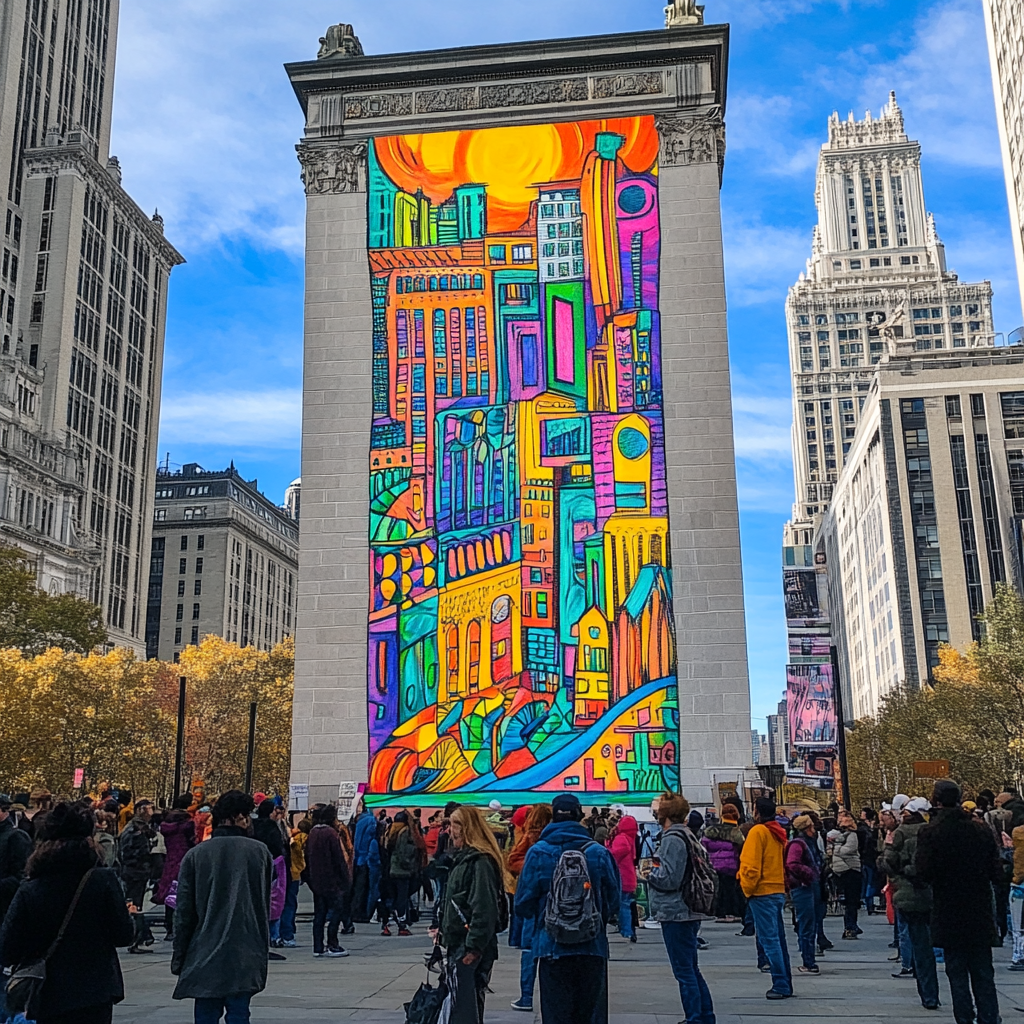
x=569, y=887
x=681, y=890
x=763, y=880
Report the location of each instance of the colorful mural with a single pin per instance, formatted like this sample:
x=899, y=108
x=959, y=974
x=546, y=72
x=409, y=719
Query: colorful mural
x=520, y=623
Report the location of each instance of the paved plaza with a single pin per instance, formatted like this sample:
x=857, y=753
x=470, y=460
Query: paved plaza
x=381, y=974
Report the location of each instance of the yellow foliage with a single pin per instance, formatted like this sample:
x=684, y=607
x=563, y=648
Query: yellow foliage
x=114, y=716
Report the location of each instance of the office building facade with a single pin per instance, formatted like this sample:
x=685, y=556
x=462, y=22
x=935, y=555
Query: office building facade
x=83, y=294
x=1004, y=25
x=223, y=561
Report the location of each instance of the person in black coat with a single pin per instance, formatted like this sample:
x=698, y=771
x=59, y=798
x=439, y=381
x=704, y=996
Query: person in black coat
x=957, y=856
x=83, y=977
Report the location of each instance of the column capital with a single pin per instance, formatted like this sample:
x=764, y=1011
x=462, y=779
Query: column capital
x=692, y=140
x=335, y=168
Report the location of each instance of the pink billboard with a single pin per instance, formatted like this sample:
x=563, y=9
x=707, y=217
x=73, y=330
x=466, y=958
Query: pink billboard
x=810, y=699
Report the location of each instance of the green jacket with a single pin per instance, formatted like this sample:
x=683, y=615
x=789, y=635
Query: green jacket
x=898, y=861
x=470, y=914
x=404, y=855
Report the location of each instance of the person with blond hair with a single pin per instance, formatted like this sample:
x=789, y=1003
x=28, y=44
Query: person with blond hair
x=469, y=917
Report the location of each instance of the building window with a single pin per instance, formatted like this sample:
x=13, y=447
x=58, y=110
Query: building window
x=199, y=566
x=182, y=566
x=195, y=635
x=195, y=610
x=181, y=588
x=179, y=613
x=201, y=541
x=160, y=515
x=953, y=407
x=184, y=542
x=177, y=639
x=198, y=588
x=1013, y=414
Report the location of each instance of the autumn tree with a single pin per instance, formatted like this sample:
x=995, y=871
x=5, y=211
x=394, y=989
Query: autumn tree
x=34, y=621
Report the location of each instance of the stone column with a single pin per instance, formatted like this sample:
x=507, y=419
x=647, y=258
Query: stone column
x=333, y=594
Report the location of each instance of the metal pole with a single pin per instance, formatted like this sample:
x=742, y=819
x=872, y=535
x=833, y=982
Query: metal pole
x=837, y=685
x=179, y=748
x=252, y=747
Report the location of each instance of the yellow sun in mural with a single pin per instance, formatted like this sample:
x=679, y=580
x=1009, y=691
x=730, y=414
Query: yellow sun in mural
x=509, y=161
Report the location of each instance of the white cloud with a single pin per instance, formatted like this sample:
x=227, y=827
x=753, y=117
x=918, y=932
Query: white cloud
x=783, y=150
x=242, y=419
x=762, y=261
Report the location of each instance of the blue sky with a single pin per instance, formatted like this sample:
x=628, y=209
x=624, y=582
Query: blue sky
x=205, y=125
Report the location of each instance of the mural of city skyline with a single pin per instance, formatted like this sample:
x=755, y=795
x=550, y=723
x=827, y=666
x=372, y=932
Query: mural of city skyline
x=521, y=636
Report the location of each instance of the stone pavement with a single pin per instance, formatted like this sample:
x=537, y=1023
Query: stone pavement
x=381, y=974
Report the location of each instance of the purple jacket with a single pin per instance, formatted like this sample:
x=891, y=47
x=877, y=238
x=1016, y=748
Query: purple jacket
x=179, y=832
x=278, y=889
x=723, y=849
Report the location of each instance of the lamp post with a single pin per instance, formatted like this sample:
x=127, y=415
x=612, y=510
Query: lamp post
x=179, y=748
x=252, y=747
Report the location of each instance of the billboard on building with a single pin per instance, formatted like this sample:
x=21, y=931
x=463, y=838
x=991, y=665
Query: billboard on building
x=521, y=634
x=800, y=591
x=810, y=702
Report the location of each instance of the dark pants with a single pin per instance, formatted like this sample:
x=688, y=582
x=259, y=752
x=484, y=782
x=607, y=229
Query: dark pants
x=571, y=988
x=102, y=1014
x=805, y=903
x=681, y=945
x=235, y=1010
x=471, y=990
x=361, y=893
x=969, y=968
x=920, y=930
x=849, y=886
x=730, y=895
x=136, y=892
x=291, y=908
x=326, y=910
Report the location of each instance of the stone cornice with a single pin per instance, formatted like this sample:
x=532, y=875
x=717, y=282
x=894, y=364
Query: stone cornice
x=50, y=160
x=535, y=82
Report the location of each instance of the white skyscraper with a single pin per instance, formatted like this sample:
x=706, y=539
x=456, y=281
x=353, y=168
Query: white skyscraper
x=1004, y=23
x=877, y=274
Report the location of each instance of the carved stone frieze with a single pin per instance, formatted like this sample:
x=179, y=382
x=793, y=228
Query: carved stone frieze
x=525, y=94
x=454, y=98
x=393, y=104
x=333, y=170
x=642, y=83
x=692, y=140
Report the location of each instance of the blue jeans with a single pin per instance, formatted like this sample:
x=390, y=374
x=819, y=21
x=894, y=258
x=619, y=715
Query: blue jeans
x=920, y=931
x=805, y=903
x=626, y=915
x=236, y=1008
x=291, y=908
x=906, y=949
x=515, y=928
x=681, y=945
x=771, y=939
x=527, y=962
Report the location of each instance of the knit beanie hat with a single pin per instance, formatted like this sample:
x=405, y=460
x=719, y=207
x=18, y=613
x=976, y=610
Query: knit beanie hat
x=802, y=822
x=730, y=813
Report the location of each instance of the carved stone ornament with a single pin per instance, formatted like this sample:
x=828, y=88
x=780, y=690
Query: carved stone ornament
x=333, y=170
x=340, y=41
x=692, y=140
x=681, y=13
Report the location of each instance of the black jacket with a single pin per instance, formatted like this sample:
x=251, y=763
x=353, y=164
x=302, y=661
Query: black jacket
x=958, y=857
x=268, y=833
x=135, y=845
x=84, y=970
x=15, y=848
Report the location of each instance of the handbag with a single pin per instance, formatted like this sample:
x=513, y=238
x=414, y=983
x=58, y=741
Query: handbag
x=426, y=1005
x=25, y=985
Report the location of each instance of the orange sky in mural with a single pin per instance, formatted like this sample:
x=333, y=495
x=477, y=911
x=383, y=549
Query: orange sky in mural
x=508, y=160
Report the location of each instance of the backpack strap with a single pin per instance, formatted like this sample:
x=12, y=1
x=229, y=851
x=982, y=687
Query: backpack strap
x=67, y=917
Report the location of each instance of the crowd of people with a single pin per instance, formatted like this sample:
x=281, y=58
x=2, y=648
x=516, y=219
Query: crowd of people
x=76, y=876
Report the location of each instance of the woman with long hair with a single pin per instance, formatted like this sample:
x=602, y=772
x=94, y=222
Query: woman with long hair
x=537, y=819
x=83, y=976
x=469, y=918
x=402, y=857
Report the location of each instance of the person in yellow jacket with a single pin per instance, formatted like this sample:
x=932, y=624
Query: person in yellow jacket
x=297, y=864
x=1017, y=899
x=763, y=880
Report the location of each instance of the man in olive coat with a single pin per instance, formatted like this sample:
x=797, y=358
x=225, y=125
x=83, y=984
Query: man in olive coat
x=222, y=919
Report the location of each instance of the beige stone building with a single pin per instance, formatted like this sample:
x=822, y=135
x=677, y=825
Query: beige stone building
x=83, y=295
x=925, y=520
x=1004, y=24
x=223, y=561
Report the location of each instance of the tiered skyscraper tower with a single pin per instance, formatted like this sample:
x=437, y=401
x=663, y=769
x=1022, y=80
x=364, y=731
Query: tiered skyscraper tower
x=83, y=293
x=877, y=274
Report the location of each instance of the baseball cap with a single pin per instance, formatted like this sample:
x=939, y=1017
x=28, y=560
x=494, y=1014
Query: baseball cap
x=918, y=805
x=899, y=801
x=568, y=805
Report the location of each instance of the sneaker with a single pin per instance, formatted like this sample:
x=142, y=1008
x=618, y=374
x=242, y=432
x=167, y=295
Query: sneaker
x=894, y=945
x=1016, y=965
x=744, y=934
x=139, y=949
x=814, y=969
x=337, y=951
x=350, y=930
x=765, y=970
x=904, y=972
x=849, y=935
x=386, y=931
x=702, y=943
x=521, y=1004
x=288, y=944
x=404, y=931
x=772, y=994
x=632, y=938
x=894, y=956
x=828, y=945
x=271, y=955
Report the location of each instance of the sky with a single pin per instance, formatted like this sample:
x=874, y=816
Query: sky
x=205, y=125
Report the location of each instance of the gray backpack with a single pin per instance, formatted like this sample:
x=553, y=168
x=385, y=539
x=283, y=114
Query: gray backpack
x=571, y=916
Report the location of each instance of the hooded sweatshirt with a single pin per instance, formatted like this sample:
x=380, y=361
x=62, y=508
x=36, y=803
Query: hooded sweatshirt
x=762, y=869
x=622, y=846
